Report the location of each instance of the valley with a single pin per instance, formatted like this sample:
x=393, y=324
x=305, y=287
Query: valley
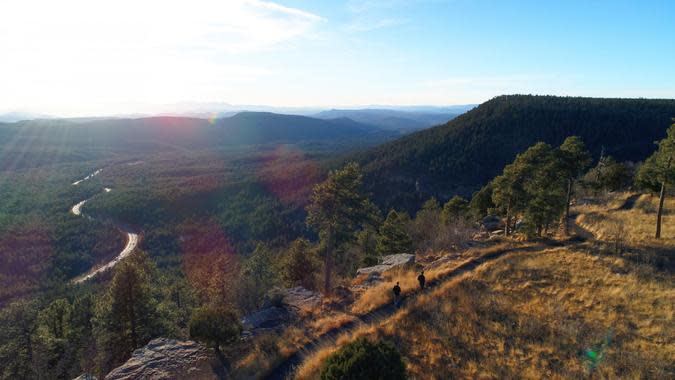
x=191, y=219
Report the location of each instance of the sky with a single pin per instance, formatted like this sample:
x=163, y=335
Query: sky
x=92, y=57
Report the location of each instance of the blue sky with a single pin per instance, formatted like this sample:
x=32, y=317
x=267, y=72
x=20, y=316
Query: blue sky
x=78, y=57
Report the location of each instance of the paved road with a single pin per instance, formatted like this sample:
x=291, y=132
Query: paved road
x=130, y=246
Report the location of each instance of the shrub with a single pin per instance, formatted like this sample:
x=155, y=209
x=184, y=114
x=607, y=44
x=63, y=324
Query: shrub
x=214, y=326
x=363, y=359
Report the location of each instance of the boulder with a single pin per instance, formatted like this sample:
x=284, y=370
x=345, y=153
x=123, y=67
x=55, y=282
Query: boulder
x=301, y=298
x=164, y=358
x=267, y=318
x=491, y=223
x=388, y=262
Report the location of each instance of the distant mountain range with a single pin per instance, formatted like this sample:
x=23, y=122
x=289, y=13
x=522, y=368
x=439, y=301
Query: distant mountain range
x=64, y=136
x=468, y=151
x=392, y=119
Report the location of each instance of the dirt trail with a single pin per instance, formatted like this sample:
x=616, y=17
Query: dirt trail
x=288, y=366
x=629, y=203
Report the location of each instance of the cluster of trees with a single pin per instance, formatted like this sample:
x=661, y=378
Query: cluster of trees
x=205, y=283
x=93, y=330
x=538, y=184
x=470, y=150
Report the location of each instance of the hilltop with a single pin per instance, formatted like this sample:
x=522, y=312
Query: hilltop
x=468, y=151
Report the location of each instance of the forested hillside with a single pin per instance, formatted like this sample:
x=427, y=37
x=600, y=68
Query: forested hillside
x=393, y=119
x=37, y=142
x=468, y=151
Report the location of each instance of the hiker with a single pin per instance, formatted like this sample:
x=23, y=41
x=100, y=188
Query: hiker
x=397, y=294
x=422, y=280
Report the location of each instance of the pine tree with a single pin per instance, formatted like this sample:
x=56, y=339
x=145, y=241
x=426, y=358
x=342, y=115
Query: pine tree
x=338, y=208
x=533, y=186
x=214, y=326
x=299, y=265
x=481, y=201
x=126, y=316
x=455, y=208
x=658, y=171
x=392, y=237
x=575, y=159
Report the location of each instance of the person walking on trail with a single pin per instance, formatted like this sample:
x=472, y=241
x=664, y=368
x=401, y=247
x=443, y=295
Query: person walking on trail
x=422, y=280
x=397, y=294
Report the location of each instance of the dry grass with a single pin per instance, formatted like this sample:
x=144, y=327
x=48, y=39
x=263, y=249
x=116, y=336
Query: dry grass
x=536, y=315
x=266, y=351
x=324, y=324
x=635, y=226
x=381, y=294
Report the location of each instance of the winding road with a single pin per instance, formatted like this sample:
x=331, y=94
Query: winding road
x=132, y=238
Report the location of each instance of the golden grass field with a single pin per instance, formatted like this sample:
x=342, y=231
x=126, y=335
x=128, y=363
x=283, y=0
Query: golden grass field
x=381, y=294
x=636, y=226
x=560, y=313
x=576, y=312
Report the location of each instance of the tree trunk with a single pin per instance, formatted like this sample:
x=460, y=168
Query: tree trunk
x=566, y=222
x=328, y=264
x=508, y=219
x=662, y=197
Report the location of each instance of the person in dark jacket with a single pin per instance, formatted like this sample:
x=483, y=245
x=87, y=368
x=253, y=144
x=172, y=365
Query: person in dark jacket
x=422, y=280
x=397, y=294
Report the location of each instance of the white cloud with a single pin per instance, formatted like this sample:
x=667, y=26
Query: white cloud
x=66, y=53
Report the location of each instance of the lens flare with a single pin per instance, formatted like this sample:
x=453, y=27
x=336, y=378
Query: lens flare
x=212, y=118
x=209, y=260
x=288, y=174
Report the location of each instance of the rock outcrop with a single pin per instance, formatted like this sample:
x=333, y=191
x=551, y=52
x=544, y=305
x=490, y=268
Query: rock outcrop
x=169, y=359
x=281, y=306
x=388, y=262
x=267, y=318
x=301, y=298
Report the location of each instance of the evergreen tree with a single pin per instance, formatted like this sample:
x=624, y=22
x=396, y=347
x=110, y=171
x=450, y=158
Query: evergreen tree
x=17, y=353
x=337, y=209
x=481, y=201
x=430, y=205
x=455, y=208
x=392, y=237
x=658, y=171
x=366, y=242
x=531, y=186
x=608, y=174
x=575, y=159
x=214, y=326
x=299, y=265
x=53, y=339
x=259, y=266
x=126, y=316
x=362, y=359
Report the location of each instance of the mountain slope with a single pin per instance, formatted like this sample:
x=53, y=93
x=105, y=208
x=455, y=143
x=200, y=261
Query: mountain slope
x=468, y=151
x=391, y=119
x=57, y=139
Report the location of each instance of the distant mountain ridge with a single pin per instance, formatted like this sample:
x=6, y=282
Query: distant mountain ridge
x=61, y=139
x=393, y=119
x=468, y=151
